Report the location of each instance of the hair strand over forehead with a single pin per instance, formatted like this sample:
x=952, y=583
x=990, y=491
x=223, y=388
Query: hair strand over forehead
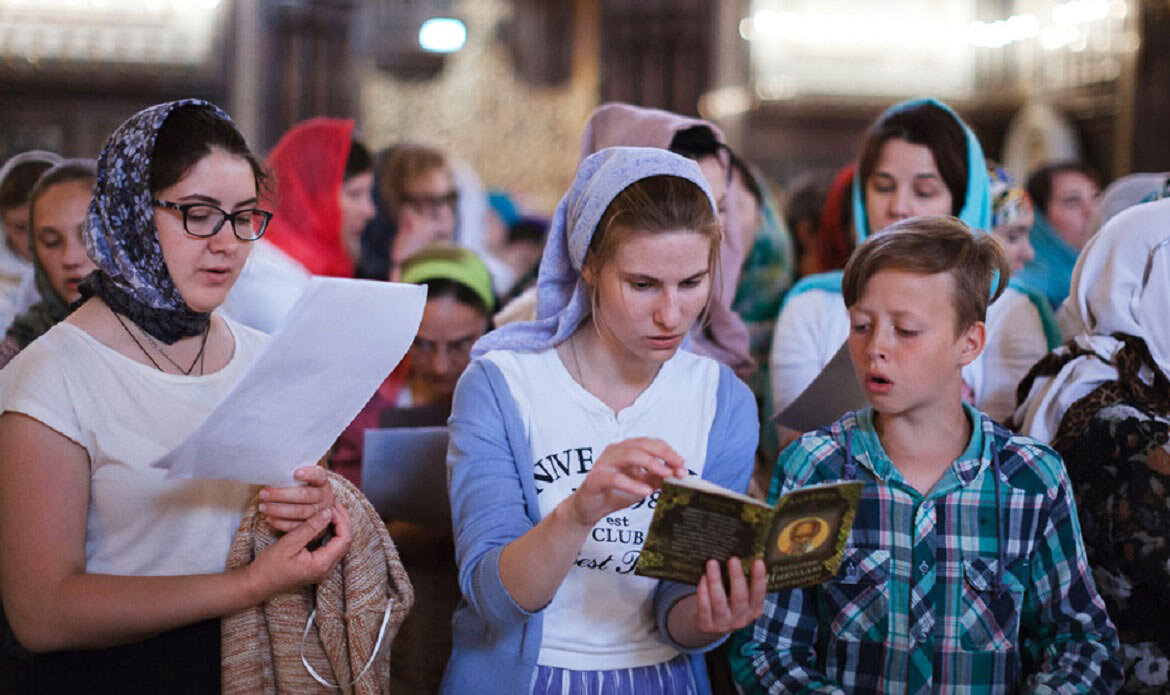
x=928, y=246
x=654, y=205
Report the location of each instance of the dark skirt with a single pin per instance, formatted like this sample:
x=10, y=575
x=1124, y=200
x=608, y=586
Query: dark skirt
x=180, y=662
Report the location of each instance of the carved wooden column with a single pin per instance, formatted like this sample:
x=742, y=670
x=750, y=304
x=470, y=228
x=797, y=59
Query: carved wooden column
x=656, y=52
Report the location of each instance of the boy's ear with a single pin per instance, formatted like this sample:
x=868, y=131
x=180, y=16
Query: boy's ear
x=971, y=342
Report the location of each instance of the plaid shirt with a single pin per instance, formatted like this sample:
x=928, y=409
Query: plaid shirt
x=914, y=608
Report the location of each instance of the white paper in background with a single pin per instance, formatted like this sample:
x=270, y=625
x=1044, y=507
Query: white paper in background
x=334, y=348
x=833, y=393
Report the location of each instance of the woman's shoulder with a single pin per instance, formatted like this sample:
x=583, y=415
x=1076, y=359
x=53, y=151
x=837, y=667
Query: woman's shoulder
x=1011, y=305
x=63, y=343
x=811, y=299
x=42, y=380
x=518, y=365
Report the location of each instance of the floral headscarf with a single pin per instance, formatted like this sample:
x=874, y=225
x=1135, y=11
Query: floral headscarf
x=121, y=237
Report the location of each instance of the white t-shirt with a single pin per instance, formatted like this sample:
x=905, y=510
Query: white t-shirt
x=815, y=323
x=125, y=415
x=602, y=615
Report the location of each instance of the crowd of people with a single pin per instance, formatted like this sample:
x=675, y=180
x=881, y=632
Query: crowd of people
x=1009, y=338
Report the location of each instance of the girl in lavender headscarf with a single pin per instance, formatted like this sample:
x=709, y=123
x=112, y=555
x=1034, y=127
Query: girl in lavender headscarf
x=563, y=429
x=724, y=336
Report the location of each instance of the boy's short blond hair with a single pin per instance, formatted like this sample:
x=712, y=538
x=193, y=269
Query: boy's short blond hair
x=931, y=245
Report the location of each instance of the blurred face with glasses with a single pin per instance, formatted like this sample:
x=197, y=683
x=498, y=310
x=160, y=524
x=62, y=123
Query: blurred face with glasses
x=206, y=225
x=442, y=347
x=426, y=213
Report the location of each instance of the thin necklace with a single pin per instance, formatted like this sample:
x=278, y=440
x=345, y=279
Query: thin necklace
x=581, y=375
x=186, y=372
x=576, y=363
x=198, y=355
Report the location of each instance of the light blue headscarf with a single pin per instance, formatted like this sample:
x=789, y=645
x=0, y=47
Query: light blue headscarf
x=976, y=211
x=562, y=296
x=1051, y=270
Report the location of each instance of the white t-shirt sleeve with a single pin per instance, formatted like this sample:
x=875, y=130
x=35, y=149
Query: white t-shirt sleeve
x=811, y=328
x=1015, y=342
x=35, y=386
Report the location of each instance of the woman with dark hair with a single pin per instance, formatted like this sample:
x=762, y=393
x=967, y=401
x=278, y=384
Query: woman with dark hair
x=324, y=198
x=1065, y=195
x=17, y=178
x=918, y=158
x=914, y=161
x=57, y=208
x=112, y=575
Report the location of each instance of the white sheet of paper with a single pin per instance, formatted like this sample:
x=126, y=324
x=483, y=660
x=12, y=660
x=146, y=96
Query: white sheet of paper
x=320, y=367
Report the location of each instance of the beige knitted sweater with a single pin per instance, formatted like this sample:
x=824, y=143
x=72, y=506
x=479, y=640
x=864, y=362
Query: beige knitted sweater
x=262, y=644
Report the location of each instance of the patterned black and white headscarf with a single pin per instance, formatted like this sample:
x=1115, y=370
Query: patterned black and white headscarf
x=121, y=237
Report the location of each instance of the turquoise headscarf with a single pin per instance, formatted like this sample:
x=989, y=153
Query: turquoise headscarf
x=976, y=211
x=1009, y=204
x=767, y=270
x=1051, y=271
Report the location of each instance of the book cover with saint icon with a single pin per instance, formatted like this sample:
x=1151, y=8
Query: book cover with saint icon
x=801, y=539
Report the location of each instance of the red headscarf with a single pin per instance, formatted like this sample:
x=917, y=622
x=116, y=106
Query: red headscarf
x=835, y=240
x=309, y=165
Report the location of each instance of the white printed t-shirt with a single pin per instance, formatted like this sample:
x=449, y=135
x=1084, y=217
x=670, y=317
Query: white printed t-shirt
x=125, y=415
x=601, y=617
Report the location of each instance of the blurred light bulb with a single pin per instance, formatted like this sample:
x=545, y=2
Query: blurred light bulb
x=442, y=35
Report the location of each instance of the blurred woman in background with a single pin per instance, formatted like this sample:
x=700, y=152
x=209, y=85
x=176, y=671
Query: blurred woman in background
x=416, y=202
x=17, y=177
x=57, y=208
x=1065, y=196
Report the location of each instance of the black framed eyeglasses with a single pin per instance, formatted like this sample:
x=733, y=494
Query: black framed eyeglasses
x=431, y=204
x=205, y=220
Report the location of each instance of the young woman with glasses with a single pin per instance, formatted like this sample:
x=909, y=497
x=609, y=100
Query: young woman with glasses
x=112, y=577
x=418, y=392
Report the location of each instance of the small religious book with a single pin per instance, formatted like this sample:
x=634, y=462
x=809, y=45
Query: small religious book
x=801, y=539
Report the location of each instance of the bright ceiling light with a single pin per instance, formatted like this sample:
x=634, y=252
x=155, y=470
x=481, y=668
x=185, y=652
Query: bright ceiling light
x=442, y=35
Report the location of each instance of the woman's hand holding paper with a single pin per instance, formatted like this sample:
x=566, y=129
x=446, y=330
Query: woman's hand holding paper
x=288, y=507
